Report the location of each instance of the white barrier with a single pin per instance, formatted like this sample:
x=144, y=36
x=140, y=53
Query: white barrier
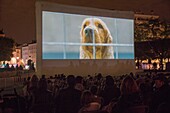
x=6, y=82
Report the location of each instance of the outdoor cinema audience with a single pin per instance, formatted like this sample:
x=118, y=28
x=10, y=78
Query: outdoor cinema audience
x=130, y=93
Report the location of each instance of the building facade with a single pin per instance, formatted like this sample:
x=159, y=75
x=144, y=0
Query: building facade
x=140, y=18
x=25, y=53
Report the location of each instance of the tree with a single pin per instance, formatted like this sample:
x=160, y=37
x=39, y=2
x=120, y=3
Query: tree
x=156, y=49
x=140, y=33
x=6, y=48
x=152, y=40
x=142, y=50
x=151, y=30
x=161, y=49
x=147, y=31
x=165, y=29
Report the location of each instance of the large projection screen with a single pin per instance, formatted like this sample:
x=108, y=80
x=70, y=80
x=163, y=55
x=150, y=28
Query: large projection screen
x=83, y=41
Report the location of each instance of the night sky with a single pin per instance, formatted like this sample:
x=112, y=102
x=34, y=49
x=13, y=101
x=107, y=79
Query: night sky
x=17, y=17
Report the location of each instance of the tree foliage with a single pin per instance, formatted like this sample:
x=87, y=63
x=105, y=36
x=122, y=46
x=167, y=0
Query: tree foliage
x=156, y=49
x=6, y=48
x=152, y=39
x=153, y=49
x=151, y=30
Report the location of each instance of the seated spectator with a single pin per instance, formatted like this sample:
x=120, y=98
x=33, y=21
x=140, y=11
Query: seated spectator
x=26, y=87
x=68, y=100
x=33, y=84
x=129, y=96
x=33, y=87
x=163, y=108
x=161, y=94
x=97, y=98
x=79, y=83
x=42, y=100
x=88, y=103
x=110, y=90
x=50, y=85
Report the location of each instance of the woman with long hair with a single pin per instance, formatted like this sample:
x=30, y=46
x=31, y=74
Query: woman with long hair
x=130, y=96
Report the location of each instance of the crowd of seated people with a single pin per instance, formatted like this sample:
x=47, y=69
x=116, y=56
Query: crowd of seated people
x=145, y=93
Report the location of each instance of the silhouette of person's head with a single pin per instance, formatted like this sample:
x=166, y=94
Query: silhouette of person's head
x=71, y=80
x=42, y=85
x=94, y=89
x=86, y=97
x=34, y=78
x=128, y=86
x=79, y=79
x=160, y=80
x=109, y=80
x=43, y=77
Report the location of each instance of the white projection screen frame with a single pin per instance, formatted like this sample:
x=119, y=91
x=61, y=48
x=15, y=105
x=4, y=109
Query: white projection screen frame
x=46, y=19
